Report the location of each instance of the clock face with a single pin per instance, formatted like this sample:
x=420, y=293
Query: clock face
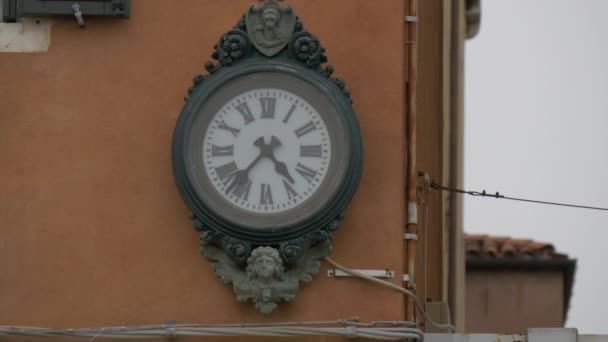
x=267, y=150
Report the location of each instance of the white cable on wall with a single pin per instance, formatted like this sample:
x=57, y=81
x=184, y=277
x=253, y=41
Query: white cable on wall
x=396, y=288
x=348, y=329
x=393, y=330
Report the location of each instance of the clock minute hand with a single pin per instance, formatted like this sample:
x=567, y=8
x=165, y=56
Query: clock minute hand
x=242, y=176
x=279, y=166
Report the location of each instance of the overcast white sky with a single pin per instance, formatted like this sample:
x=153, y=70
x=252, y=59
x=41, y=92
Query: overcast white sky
x=536, y=127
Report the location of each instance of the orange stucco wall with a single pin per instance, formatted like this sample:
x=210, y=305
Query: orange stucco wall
x=93, y=230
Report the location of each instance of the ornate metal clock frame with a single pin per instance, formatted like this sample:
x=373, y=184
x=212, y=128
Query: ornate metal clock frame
x=267, y=266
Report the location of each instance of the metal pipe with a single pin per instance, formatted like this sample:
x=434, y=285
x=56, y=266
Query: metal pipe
x=78, y=15
x=456, y=280
x=411, y=175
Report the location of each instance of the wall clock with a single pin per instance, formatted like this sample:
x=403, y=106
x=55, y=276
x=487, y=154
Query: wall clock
x=267, y=153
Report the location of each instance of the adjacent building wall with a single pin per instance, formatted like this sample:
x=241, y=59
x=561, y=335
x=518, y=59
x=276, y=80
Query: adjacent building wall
x=511, y=302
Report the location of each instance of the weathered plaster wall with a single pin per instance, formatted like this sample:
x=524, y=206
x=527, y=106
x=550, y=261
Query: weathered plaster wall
x=512, y=302
x=93, y=229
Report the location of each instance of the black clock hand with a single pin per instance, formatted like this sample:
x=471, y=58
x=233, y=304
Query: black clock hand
x=279, y=166
x=241, y=177
x=281, y=169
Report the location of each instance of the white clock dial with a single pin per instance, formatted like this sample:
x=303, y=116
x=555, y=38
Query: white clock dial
x=267, y=151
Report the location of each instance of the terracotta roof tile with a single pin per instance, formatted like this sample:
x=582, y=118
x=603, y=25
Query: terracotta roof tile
x=482, y=245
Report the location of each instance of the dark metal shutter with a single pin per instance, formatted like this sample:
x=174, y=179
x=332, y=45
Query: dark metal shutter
x=14, y=9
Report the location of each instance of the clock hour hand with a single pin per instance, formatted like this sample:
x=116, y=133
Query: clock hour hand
x=281, y=169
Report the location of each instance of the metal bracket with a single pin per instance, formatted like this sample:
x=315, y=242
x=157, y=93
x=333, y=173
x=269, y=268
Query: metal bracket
x=408, y=236
x=371, y=273
x=118, y=6
x=170, y=331
x=412, y=213
x=411, y=19
x=406, y=279
x=78, y=14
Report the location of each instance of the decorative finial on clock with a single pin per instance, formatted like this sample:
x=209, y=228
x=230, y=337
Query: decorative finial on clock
x=270, y=26
x=270, y=2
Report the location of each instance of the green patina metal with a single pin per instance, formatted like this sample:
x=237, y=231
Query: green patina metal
x=285, y=48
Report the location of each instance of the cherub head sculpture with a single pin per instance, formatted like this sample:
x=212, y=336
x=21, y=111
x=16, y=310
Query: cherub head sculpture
x=264, y=264
x=270, y=17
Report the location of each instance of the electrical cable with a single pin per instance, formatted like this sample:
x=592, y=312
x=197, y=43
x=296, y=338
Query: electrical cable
x=425, y=202
x=396, y=288
x=347, y=328
x=497, y=195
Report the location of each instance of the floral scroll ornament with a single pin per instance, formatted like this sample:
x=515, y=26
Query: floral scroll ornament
x=307, y=48
x=233, y=46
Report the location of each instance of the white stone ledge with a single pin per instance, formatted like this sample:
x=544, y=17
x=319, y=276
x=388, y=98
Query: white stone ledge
x=28, y=35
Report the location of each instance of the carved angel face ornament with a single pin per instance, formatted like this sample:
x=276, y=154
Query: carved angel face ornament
x=265, y=267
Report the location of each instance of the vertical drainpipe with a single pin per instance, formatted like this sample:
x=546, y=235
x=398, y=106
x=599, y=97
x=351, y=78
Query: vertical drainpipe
x=411, y=174
x=457, y=272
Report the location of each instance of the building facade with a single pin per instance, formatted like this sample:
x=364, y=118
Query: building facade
x=94, y=230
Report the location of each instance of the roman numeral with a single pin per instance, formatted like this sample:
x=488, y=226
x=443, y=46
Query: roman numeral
x=241, y=190
x=288, y=116
x=268, y=107
x=266, y=195
x=234, y=131
x=222, y=151
x=306, y=172
x=226, y=172
x=302, y=131
x=245, y=111
x=291, y=193
x=312, y=151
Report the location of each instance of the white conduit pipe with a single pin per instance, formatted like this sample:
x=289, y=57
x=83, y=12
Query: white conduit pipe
x=393, y=330
x=396, y=288
x=351, y=330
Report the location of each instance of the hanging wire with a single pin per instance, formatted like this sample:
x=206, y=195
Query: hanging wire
x=497, y=195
